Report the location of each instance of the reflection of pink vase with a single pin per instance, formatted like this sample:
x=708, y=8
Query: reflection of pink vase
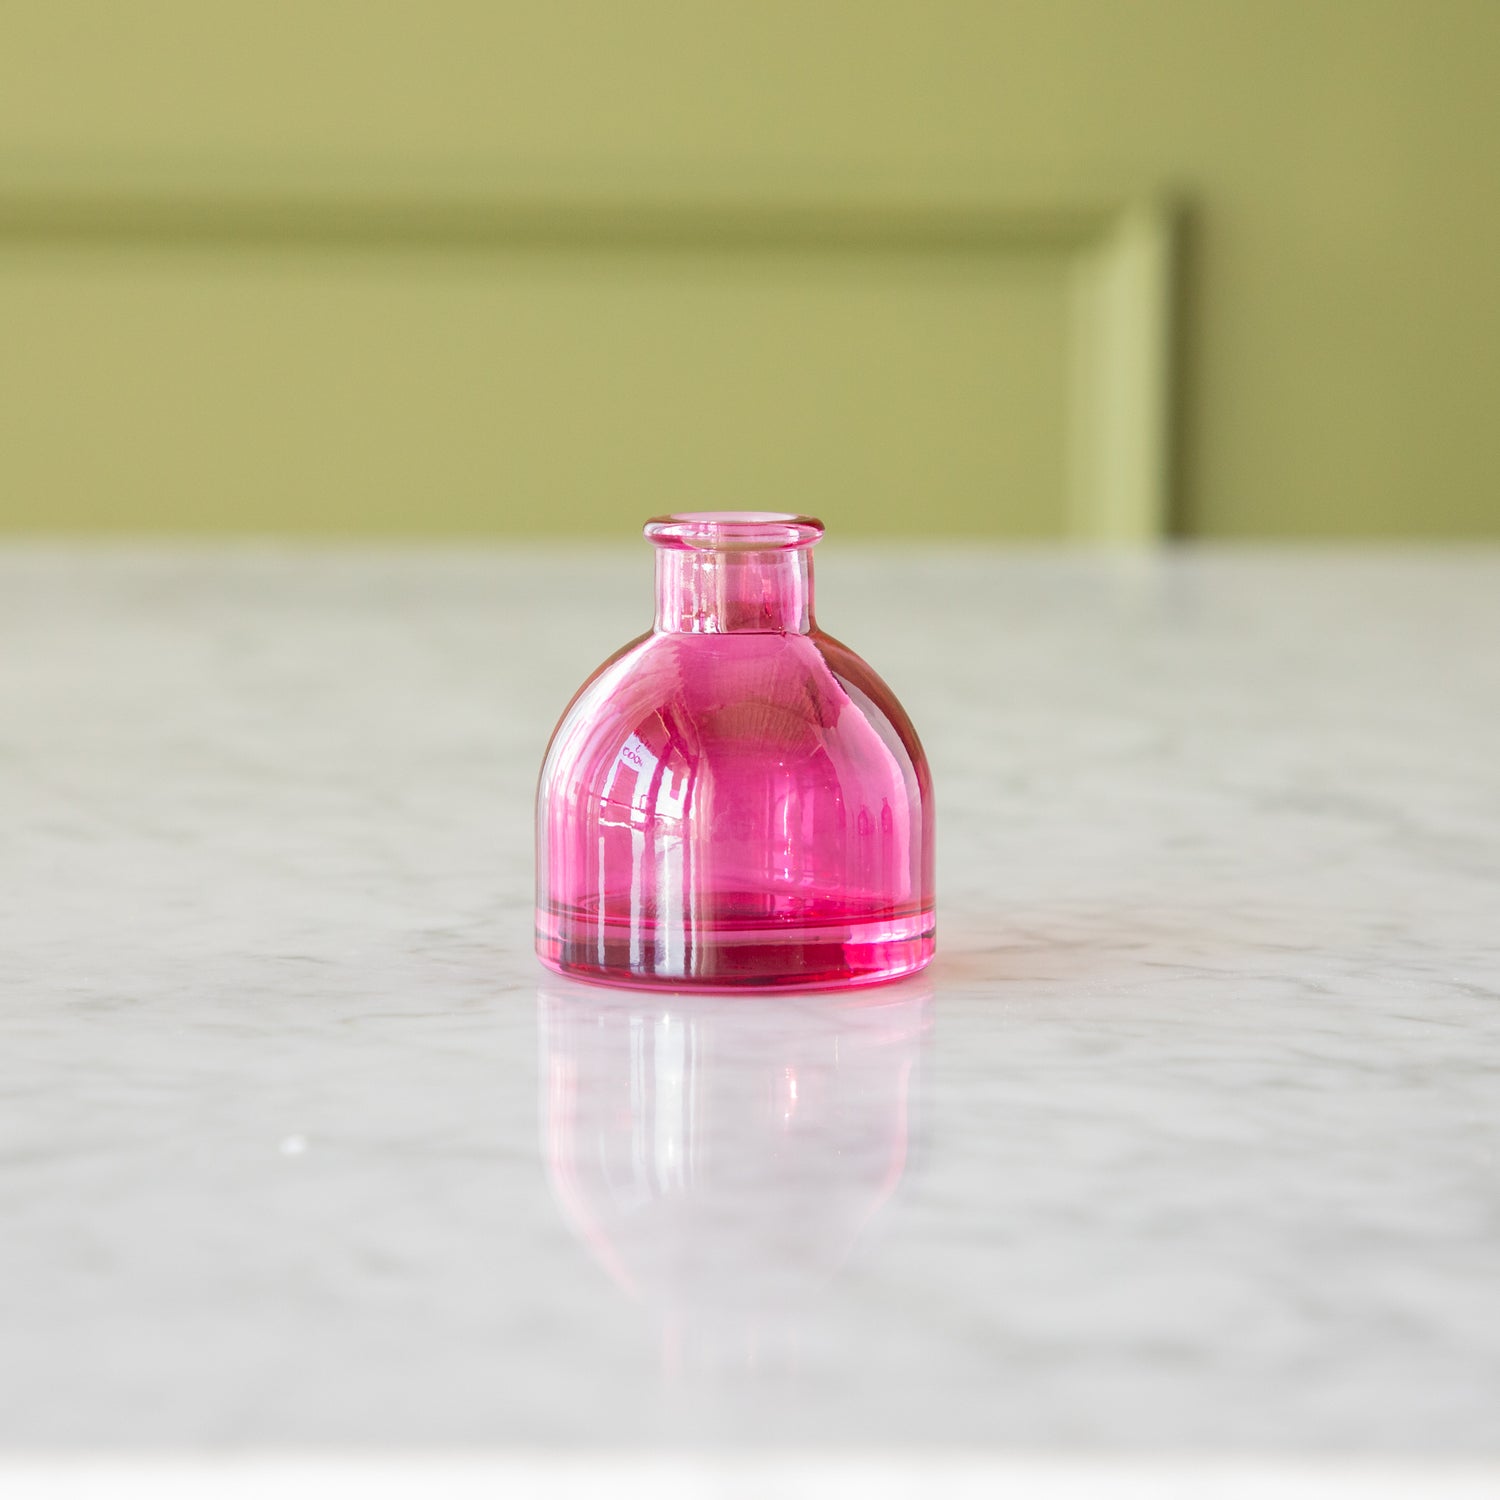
x=735, y=798
x=722, y=1160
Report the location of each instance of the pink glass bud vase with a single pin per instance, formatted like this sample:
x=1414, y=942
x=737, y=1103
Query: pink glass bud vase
x=735, y=800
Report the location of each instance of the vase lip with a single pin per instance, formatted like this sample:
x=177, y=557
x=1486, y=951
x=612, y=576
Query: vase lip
x=733, y=530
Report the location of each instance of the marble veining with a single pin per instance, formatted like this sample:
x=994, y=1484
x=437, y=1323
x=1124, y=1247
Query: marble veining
x=1189, y=1142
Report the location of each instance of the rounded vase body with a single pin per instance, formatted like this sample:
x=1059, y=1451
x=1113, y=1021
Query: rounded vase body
x=735, y=799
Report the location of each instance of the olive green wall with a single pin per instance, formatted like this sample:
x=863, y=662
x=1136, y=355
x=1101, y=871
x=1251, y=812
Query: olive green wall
x=1338, y=332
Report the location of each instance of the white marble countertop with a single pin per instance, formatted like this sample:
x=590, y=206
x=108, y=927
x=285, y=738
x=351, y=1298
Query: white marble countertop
x=1187, y=1145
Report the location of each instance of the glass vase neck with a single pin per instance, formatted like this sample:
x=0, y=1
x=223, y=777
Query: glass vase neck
x=719, y=572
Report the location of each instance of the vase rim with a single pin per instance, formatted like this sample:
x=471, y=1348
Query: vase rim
x=733, y=530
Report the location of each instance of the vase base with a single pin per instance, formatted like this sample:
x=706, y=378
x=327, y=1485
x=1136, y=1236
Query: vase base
x=737, y=956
